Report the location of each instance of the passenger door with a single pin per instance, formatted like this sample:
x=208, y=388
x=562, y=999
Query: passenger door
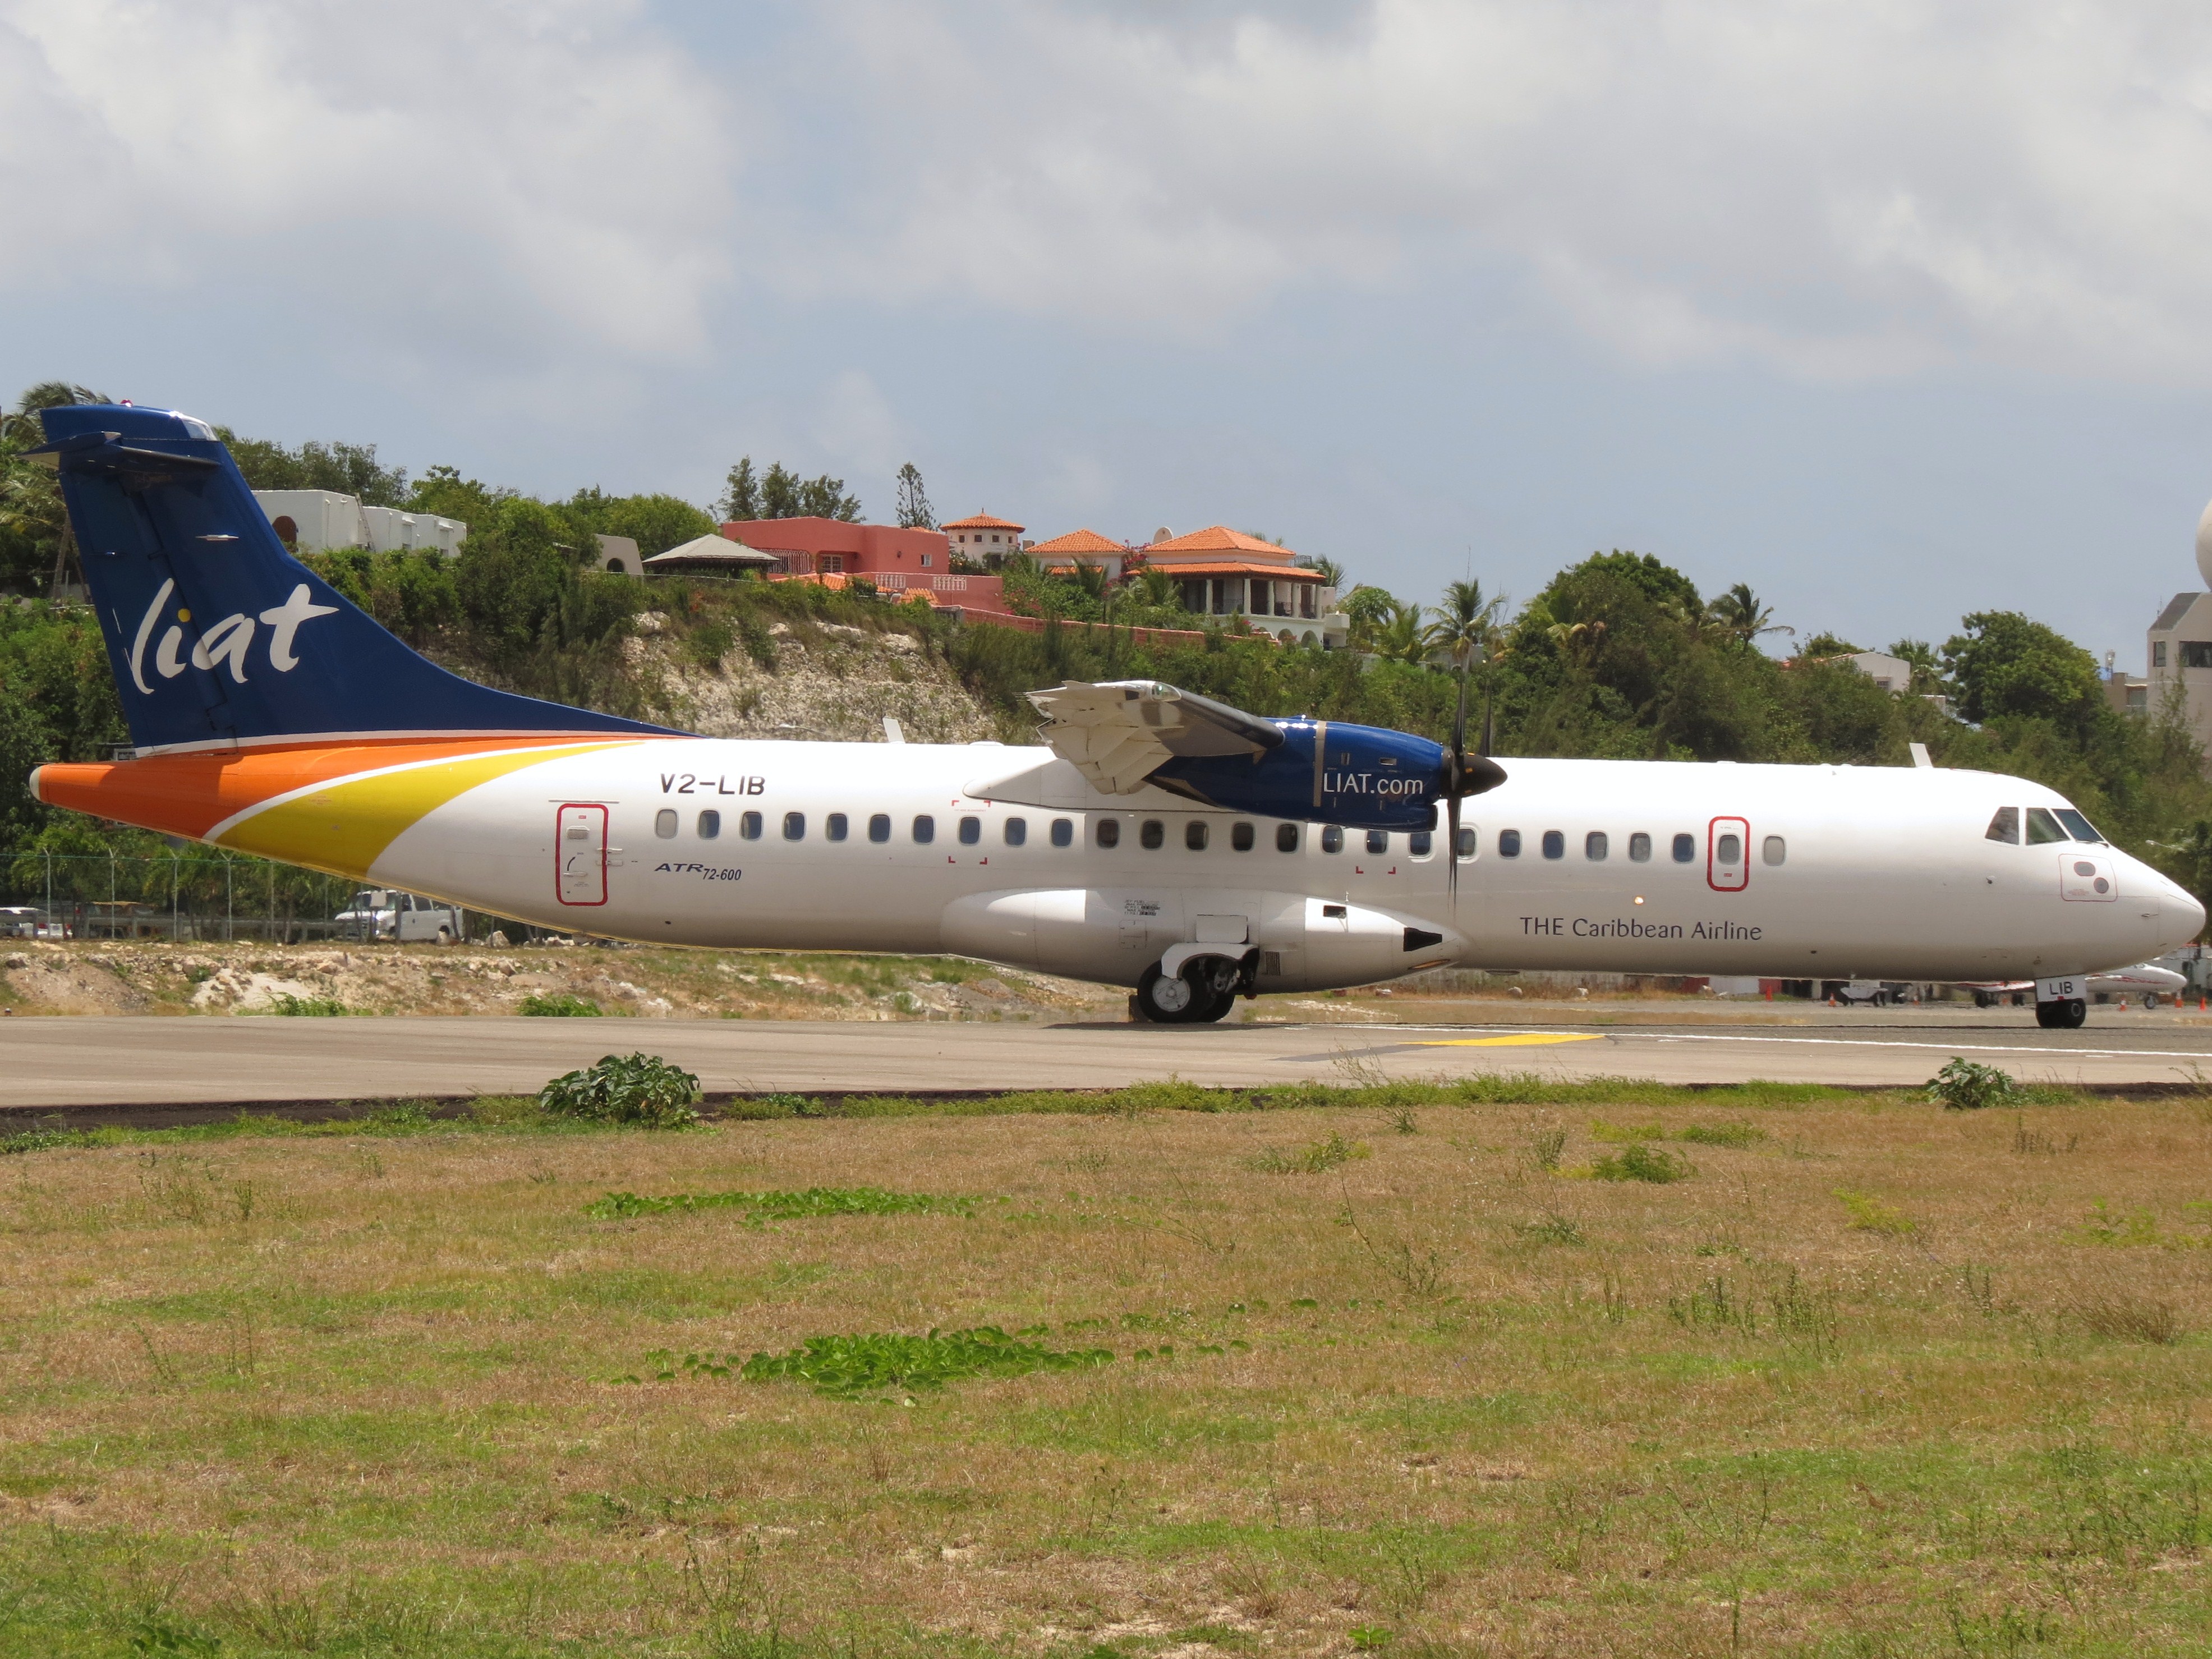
x=1727, y=855
x=579, y=854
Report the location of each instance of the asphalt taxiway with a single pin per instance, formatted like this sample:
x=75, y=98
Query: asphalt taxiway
x=168, y=1062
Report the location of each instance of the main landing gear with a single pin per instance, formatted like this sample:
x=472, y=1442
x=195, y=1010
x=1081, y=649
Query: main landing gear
x=1204, y=990
x=2066, y=1014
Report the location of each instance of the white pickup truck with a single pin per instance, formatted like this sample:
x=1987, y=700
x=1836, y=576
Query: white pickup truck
x=384, y=913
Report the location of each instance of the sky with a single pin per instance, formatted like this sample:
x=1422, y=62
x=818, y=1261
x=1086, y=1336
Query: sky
x=1893, y=310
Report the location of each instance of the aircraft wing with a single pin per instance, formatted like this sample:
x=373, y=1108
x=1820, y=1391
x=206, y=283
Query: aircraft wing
x=1117, y=732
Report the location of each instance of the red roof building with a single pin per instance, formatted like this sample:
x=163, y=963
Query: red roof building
x=983, y=535
x=1082, y=547
x=896, y=560
x=1225, y=573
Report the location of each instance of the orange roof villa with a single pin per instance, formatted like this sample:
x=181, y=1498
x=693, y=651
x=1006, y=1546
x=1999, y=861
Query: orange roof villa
x=1063, y=553
x=1225, y=573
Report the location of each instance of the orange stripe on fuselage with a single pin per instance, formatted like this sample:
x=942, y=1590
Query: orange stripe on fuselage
x=189, y=794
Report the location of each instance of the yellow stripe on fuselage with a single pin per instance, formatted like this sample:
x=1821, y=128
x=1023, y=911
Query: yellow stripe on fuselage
x=343, y=827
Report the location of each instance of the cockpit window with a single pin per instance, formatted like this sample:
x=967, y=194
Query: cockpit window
x=2005, y=826
x=2043, y=828
x=2081, y=828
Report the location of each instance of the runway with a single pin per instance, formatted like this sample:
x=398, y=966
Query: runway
x=47, y=1063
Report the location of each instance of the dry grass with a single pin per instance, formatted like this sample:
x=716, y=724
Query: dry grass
x=354, y=1394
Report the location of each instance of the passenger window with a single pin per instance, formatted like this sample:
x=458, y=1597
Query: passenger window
x=880, y=827
x=2081, y=828
x=710, y=824
x=1555, y=844
x=1420, y=843
x=1109, y=832
x=925, y=828
x=1063, y=832
x=1378, y=841
x=1153, y=835
x=971, y=831
x=2043, y=829
x=1639, y=848
x=749, y=825
x=1729, y=849
x=1332, y=838
x=794, y=826
x=1017, y=831
x=1286, y=838
x=1685, y=849
x=2005, y=826
x=1194, y=835
x=1773, y=849
x=1595, y=847
x=834, y=826
x=664, y=823
x=1508, y=843
x=1240, y=837
x=1467, y=842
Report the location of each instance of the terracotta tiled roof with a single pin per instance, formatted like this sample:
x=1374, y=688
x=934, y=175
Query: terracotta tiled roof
x=1279, y=573
x=1080, y=543
x=983, y=521
x=1220, y=538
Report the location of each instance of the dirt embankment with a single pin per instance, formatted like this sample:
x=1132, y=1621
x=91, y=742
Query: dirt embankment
x=155, y=977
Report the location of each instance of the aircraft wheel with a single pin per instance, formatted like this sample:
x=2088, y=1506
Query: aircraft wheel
x=1222, y=1003
x=1168, y=1000
x=1981, y=999
x=2068, y=1016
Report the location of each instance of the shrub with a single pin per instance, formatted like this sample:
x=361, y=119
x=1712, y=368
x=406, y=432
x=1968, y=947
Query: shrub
x=642, y=1089
x=1320, y=1157
x=2125, y=1317
x=320, y=1008
x=1722, y=1134
x=1547, y=1148
x=1964, y=1085
x=1641, y=1161
x=560, y=1005
x=1871, y=1215
x=848, y=1367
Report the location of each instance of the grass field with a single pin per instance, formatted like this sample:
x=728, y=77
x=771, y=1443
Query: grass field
x=1630, y=1372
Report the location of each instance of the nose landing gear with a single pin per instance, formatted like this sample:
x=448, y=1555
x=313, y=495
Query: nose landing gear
x=2067, y=1014
x=1202, y=993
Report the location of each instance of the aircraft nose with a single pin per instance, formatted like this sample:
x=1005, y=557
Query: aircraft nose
x=2180, y=917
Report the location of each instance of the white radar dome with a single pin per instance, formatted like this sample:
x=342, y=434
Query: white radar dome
x=2204, y=546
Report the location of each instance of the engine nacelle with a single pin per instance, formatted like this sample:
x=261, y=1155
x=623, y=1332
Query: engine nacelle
x=1364, y=777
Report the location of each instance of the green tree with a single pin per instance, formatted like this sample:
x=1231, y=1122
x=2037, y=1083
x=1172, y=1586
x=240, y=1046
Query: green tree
x=914, y=509
x=1743, y=615
x=342, y=469
x=655, y=523
x=2005, y=665
x=741, y=496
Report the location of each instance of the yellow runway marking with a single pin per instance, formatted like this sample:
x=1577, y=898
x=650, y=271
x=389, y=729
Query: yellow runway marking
x=1518, y=1040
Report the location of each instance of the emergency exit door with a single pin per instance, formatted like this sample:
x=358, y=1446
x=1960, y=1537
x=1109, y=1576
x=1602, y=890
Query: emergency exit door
x=1727, y=855
x=579, y=854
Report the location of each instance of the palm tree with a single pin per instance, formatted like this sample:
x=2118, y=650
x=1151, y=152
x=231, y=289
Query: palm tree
x=1089, y=578
x=1740, y=612
x=1331, y=572
x=1155, y=588
x=1467, y=623
x=1399, y=637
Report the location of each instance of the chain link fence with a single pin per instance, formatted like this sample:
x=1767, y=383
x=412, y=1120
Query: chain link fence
x=184, y=896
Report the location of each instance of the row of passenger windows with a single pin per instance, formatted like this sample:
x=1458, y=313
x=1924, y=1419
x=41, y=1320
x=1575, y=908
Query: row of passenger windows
x=1597, y=847
x=1152, y=833
x=2044, y=826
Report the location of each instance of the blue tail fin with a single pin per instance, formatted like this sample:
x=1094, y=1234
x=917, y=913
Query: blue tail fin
x=217, y=635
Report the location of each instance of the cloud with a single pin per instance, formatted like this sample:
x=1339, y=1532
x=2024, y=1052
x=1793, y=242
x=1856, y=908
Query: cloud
x=492, y=183
x=1838, y=190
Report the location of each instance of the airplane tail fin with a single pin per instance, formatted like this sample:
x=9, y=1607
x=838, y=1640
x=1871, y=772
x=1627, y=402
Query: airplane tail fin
x=218, y=637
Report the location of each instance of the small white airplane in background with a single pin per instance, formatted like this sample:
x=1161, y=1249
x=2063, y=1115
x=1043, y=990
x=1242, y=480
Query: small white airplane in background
x=2146, y=981
x=1156, y=839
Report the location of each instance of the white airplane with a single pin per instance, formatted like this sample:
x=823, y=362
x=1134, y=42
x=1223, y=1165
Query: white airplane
x=2146, y=981
x=1155, y=839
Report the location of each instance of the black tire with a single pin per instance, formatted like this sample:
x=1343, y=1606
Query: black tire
x=2067, y=1016
x=1880, y=998
x=1169, y=1001
x=1222, y=1003
x=1981, y=999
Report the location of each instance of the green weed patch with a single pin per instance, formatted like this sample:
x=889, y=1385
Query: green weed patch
x=312, y=1007
x=1642, y=1161
x=641, y=1089
x=758, y=1207
x=560, y=1004
x=1331, y=1152
x=1871, y=1215
x=852, y=1367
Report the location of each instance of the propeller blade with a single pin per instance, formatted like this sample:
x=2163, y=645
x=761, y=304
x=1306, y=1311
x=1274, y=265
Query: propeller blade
x=1458, y=777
